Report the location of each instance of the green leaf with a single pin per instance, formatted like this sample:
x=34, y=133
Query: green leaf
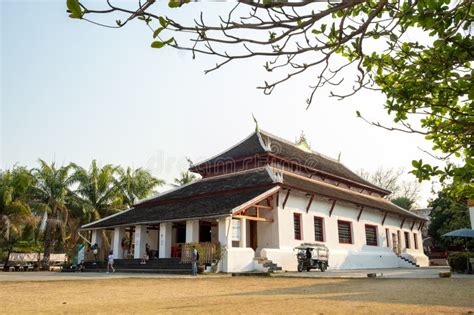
x=177, y=3
x=157, y=32
x=163, y=22
x=75, y=9
x=323, y=28
x=158, y=44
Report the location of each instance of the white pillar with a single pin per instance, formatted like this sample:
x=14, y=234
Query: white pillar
x=165, y=240
x=119, y=233
x=140, y=241
x=225, y=239
x=96, y=237
x=192, y=231
x=471, y=211
x=225, y=232
x=243, y=233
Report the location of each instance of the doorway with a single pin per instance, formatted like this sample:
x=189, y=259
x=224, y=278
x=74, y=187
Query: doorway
x=395, y=243
x=253, y=235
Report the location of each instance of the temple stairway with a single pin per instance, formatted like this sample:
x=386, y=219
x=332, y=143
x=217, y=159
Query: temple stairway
x=407, y=260
x=269, y=265
x=162, y=266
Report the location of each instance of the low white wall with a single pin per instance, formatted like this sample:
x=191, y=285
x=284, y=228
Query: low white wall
x=354, y=259
x=339, y=259
x=237, y=259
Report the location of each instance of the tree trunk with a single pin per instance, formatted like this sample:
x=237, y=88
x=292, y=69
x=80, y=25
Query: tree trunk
x=48, y=246
x=5, y=267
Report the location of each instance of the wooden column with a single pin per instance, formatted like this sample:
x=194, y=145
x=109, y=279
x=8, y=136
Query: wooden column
x=243, y=233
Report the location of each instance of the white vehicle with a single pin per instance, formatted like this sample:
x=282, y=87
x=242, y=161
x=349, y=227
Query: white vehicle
x=312, y=256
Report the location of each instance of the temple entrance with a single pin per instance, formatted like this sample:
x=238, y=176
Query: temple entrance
x=205, y=232
x=394, y=243
x=253, y=235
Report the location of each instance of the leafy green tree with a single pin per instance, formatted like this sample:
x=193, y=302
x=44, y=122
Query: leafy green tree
x=136, y=184
x=98, y=189
x=16, y=218
x=53, y=186
x=98, y=196
x=185, y=177
x=418, y=53
x=404, y=202
x=447, y=215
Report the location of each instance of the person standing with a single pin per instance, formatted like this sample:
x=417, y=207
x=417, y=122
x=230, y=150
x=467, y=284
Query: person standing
x=194, y=260
x=110, y=262
x=95, y=251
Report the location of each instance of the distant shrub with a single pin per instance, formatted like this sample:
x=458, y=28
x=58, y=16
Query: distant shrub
x=458, y=261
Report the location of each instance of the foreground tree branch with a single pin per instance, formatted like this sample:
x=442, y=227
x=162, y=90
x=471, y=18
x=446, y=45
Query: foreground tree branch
x=427, y=83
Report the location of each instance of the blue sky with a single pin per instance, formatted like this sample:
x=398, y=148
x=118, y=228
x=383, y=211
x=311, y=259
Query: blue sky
x=72, y=91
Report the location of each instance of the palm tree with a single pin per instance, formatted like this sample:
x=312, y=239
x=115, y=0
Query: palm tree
x=187, y=177
x=184, y=178
x=97, y=194
x=136, y=184
x=97, y=189
x=51, y=190
x=16, y=218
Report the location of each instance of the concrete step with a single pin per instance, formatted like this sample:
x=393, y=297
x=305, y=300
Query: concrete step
x=267, y=263
x=408, y=261
x=151, y=271
x=146, y=266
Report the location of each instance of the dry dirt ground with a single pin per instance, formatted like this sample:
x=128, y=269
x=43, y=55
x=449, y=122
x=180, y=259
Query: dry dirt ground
x=239, y=295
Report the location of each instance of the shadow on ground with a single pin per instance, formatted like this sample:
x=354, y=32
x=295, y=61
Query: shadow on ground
x=441, y=292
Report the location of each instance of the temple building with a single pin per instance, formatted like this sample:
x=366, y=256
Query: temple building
x=261, y=198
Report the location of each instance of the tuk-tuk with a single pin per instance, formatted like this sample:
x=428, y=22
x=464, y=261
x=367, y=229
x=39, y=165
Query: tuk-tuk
x=312, y=256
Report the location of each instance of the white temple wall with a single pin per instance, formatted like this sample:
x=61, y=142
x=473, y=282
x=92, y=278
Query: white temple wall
x=268, y=233
x=343, y=256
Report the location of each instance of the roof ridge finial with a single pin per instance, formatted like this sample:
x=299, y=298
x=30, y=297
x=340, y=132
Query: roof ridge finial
x=302, y=142
x=257, y=128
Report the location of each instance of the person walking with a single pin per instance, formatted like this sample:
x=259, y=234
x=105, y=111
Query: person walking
x=194, y=260
x=110, y=262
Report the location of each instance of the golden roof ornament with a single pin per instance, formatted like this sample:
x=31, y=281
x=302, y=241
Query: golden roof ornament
x=302, y=143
